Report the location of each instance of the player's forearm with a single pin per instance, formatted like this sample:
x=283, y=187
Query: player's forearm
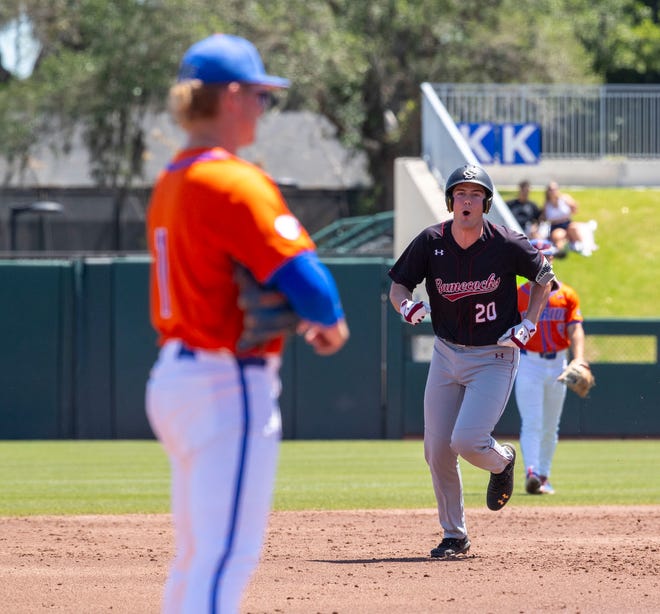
x=576, y=336
x=538, y=297
x=398, y=294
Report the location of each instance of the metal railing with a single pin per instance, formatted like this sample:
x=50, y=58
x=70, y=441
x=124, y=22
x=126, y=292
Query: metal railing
x=363, y=234
x=577, y=121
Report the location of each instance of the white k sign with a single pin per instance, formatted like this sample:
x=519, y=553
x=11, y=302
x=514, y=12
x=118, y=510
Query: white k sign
x=504, y=143
x=480, y=140
x=515, y=146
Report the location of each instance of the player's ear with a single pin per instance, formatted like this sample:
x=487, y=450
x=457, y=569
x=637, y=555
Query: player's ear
x=449, y=201
x=229, y=95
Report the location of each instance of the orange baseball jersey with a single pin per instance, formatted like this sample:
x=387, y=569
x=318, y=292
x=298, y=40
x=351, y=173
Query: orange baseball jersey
x=210, y=209
x=562, y=309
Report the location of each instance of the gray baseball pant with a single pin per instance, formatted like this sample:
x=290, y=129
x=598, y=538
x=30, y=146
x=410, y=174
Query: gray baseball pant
x=467, y=389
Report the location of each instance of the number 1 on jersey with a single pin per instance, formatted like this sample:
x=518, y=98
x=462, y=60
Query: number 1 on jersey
x=162, y=271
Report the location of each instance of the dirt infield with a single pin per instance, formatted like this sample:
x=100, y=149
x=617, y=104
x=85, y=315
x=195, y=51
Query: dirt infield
x=523, y=560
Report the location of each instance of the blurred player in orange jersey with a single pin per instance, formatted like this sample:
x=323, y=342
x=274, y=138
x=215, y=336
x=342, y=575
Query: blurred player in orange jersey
x=539, y=396
x=214, y=408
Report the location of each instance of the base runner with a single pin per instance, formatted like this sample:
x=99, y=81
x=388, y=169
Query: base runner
x=469, y=267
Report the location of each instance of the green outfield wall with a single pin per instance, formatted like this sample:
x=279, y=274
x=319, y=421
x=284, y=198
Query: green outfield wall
x=78, y=348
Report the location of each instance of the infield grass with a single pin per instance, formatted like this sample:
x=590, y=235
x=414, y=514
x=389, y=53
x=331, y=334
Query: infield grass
x=119, y=477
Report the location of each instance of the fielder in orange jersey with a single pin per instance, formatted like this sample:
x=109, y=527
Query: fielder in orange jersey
x=539, y=396
x=214, y=408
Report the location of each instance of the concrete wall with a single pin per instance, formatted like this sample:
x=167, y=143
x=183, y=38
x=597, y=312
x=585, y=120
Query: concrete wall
x=418, y=201
x=590, y=173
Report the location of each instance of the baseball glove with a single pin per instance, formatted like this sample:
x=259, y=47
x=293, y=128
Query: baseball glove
x=578, y=377
x=267, y=313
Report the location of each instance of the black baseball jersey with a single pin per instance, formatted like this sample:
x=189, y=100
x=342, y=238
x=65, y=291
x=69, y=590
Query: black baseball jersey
x=472, y=292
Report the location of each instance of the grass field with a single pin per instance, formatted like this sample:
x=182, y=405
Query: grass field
x=619, y=279
x=118, y=477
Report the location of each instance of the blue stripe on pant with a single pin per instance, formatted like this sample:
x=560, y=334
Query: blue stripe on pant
x=217, y=579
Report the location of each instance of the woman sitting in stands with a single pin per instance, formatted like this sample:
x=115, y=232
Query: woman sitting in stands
x=558, y=211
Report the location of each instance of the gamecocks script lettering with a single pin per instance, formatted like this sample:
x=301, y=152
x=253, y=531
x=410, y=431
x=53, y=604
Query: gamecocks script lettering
x=460, y=289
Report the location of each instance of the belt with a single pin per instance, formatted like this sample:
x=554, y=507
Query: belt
x=546, y=355
x=244, y=361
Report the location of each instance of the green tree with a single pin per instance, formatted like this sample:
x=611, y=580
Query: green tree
x=622, y=38
x=361, y=64
x=102, y=68
x=104, y=65
x=370, y=85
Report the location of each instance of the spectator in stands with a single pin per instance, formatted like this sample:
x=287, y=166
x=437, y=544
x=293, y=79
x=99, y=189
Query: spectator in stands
x=558, y=211
x=526, y=211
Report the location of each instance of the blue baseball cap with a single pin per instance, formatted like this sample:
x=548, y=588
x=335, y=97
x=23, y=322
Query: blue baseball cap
x=544, y=246
x=225, y=58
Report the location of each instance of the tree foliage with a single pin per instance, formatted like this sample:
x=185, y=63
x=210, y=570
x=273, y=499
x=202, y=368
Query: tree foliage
x=104, y=65
x=622, y=38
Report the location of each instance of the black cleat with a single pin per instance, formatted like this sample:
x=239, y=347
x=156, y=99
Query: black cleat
x=533, y=482
x=500, y=486
x=449, y=547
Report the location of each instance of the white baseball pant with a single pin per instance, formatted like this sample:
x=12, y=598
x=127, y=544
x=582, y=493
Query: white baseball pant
x=220, y=425
x=540, y=399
